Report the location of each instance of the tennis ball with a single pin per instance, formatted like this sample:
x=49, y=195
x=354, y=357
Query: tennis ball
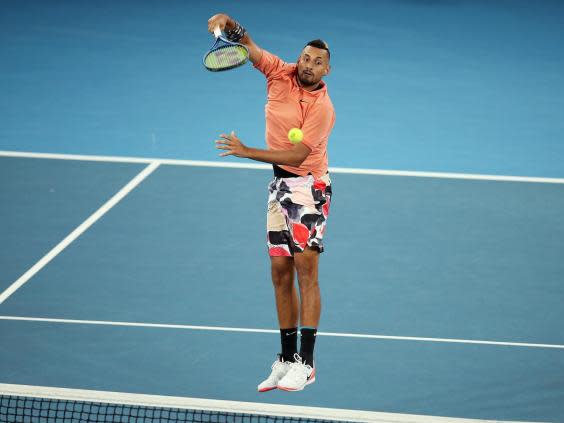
x=295, y=135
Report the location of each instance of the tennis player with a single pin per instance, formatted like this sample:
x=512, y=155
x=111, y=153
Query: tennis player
x=299, y=194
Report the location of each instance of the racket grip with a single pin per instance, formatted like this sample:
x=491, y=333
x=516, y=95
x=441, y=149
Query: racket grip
x=217, y=31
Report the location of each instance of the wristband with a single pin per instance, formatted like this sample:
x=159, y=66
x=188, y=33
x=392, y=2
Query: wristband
x=237, y=33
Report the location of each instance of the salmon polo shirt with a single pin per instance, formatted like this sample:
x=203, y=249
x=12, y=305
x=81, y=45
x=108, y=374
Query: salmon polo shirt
x=290, y=106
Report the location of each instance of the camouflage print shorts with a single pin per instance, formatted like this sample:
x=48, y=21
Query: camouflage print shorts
x=297, y=214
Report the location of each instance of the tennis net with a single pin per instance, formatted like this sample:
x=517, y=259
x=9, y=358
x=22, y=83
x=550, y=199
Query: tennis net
x=36, y=404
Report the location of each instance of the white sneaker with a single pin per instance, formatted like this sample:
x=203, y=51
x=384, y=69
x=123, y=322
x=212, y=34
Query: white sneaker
x=279, y=370
x=298, y=377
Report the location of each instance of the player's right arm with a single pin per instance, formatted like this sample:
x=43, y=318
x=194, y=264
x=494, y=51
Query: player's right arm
x=226, y=23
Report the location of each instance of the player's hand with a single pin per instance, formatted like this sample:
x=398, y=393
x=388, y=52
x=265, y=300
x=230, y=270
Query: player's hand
x=220, y=20
x=232, y=145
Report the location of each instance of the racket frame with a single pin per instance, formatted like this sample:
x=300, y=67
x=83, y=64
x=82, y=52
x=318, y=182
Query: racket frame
x=221, y=41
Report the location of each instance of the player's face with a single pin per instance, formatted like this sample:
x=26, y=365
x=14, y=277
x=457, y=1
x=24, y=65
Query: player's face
x=313, y=64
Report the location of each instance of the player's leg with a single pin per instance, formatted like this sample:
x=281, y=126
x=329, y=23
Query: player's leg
x=307, y=228
x=287, y=306
x=307, y=267
x=302, y=372
x=282, y=271
x=285, y=293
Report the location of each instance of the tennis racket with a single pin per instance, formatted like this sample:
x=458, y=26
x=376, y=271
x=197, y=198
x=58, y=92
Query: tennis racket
x=224, y=54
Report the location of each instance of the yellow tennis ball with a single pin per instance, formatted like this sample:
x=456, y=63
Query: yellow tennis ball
x=295, y=135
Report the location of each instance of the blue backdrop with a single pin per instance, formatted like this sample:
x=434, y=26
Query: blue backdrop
x=442, y=85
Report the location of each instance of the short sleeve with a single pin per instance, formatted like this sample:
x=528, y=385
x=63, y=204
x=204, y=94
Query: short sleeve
x=270, y=65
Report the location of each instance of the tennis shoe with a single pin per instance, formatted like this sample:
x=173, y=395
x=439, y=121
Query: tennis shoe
x=298, y=376
x=279, y=370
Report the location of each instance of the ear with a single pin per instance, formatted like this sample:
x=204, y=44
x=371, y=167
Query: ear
x=327, y=70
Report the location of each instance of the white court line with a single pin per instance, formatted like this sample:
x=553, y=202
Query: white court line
x=275, y=331
x=236, y=165
x=221, y=406
x=78, y=231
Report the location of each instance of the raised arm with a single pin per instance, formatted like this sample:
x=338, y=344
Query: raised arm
x=226, y=23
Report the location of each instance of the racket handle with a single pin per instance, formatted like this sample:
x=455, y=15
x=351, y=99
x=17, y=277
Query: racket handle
x=217, y=31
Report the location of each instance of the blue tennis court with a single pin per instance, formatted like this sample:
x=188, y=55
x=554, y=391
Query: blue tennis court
x=452, y=260
x=133, y=260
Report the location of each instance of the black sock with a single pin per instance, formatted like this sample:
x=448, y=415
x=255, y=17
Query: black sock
x=307, y=345
x=289, y=338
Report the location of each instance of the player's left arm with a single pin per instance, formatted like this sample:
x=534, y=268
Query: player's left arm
x=234, y=147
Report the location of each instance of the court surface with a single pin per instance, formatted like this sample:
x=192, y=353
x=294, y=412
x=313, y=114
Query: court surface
x=451, y=260
x=133, y=260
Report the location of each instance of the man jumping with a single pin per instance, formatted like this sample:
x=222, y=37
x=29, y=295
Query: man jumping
x=299, y=194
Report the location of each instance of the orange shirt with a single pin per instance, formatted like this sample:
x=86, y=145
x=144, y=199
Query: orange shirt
x=290, y=106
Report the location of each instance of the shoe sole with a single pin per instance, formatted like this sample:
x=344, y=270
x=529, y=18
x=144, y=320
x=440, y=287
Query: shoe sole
x=267, y=389
x=284, y=388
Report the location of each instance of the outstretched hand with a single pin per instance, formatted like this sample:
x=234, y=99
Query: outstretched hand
x=232, y=145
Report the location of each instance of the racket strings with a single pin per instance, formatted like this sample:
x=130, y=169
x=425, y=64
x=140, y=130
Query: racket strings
x=225, y=57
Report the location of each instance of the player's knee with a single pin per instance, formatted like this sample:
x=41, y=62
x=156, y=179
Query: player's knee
x=307, y=274
x=306, y=267
x=282, y=273
x=281, y=279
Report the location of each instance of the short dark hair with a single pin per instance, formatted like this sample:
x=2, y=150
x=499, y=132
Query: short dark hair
x=321, y=45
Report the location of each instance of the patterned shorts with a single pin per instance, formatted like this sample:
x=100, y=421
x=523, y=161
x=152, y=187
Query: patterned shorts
x=297, y=214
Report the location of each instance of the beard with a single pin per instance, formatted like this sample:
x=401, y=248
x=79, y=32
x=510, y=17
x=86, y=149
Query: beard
x=307, y=80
